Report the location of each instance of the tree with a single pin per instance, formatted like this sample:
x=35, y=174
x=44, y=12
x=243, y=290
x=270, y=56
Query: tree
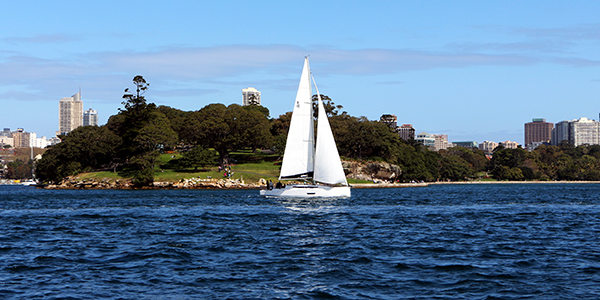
x=279, y=131
x=253, y=100
x=417, y=162
x=360, y=138
x=85, y=148
x=156, y=135
x=330, y=108
x=19, y=170
x=455, y=168
x=475, y=158
x=198, y=157
x=230, y=128
x=177, y=120
x=145, y=131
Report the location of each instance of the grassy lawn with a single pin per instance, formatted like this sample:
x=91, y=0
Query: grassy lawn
x=248, y=166
x=100, y=175
x=352, y=181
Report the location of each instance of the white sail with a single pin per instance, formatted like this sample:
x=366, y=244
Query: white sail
x=298, y=159
x=301, y=160
x=328, y=166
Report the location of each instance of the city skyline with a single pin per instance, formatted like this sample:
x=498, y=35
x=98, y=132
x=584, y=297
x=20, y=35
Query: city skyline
x=474, y=71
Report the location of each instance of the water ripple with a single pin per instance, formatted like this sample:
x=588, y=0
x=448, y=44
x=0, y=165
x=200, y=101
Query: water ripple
x=442, y=242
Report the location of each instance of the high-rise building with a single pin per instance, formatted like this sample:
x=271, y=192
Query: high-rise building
x=250, y=96
x=560, y=132
x=584, y=131
x=406, y=132
x=538, y=131
x=21, y=138
x=70, y=115
x=90, y=117
x=389, y=120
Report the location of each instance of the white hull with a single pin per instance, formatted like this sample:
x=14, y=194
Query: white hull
x=308, y=191
x=28, y=183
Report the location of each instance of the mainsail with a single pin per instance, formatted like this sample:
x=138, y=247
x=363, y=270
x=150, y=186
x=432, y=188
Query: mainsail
x=298, y=160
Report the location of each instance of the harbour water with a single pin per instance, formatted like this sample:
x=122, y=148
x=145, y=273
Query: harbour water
x=440, y=242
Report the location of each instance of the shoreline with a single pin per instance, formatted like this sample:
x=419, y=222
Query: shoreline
x=232, y=185
x=426, y=184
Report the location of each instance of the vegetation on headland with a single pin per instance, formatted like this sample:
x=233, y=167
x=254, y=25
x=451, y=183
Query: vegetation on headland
x=146, y=142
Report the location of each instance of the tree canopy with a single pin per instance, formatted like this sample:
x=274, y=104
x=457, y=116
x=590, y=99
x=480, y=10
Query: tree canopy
x=132, y=139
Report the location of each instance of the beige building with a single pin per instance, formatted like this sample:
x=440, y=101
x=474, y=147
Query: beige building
x=5, y=140
x=21, y=138
x=488, y=146
x=510, y=144
x=441, y=142
x=70, y=113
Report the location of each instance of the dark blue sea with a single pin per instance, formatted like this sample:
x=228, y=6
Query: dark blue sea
x=497, y=241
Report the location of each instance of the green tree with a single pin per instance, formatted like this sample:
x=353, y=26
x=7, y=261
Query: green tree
x=279, y=131
x=455, y=168
x=360, y=138
x=177, y=119
x=330, y=108
x=227, y=128
x=417, y=162
x=474, y=157
x=85, y=148
x=145, y=131
x=155, y=135
x=198, y=157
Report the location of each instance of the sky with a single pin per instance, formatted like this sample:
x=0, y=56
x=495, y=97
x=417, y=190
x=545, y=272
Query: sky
x=474, y=70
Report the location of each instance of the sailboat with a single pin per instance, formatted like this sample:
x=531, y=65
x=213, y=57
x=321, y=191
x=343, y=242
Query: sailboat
x=315, y=162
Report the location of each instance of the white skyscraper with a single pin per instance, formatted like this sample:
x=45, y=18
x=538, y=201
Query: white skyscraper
x=247, y=96
x=70, y=114
x=90, y=117
x=584, y=131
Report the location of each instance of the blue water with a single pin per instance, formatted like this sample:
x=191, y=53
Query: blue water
x=439, y=242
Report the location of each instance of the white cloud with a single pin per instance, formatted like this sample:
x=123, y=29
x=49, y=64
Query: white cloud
x=105, y=74
x=41, y=39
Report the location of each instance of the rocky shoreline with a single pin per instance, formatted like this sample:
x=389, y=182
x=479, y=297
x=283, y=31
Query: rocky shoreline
x=121, y=184
x=191, y=183
x=220, y=184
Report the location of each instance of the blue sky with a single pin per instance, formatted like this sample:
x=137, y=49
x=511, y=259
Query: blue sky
x=475, y=70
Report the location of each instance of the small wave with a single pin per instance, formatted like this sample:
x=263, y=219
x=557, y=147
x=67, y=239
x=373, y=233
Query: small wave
x=455, y=267
x=24, y=268
x=591, y=270
x=496, y=275
x=361, y=260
